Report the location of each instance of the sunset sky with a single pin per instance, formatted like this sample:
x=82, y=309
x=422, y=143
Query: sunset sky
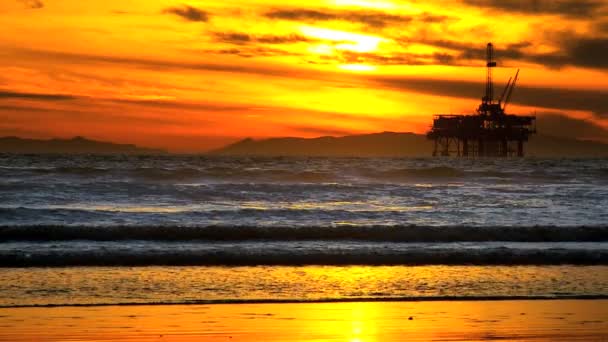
x=193, y=75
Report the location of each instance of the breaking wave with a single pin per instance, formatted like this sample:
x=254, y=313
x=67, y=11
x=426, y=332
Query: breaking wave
x=275, y=233
x=136, y=253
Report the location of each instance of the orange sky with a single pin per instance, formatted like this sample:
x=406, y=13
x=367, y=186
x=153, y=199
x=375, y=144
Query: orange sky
x=193, y=75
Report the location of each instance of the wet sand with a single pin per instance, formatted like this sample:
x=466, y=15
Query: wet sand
x=516, y=320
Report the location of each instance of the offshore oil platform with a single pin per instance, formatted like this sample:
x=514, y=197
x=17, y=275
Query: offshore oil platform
x=491, y=132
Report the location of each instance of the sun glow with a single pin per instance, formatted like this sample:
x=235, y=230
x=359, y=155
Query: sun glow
x=345, y=40
x=358, y=67
x=378, y=4
x=230, y=69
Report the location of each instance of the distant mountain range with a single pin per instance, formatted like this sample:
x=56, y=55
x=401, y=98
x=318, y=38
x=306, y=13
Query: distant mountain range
x=386, y=144
x=75, y=145
x=390, y=144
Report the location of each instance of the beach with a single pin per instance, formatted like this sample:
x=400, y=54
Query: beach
x=305, y=303
x=512, y=320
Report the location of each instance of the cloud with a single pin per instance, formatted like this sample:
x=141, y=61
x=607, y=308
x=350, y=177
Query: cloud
x=595, y=101
x=557, y=124
x=374, y=19
x=232, y=38
x=98, y=102
x=300, y=14
x=151, y=64
x=571, y=50
x=589, y=52
x=197, y=106
x=603, y=27
x=162, y=65
x=239, y=38
x=568, y=8
x=252, y=52
x=321, y=131
x=465, y=53
x=250, y=46
x=6, y=94
x=96, y=111
x=188, y=13
x=352, y=57
x=11, y=108
x=34, y=4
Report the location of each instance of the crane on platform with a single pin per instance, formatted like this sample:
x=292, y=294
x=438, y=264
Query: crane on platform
x=509, y=91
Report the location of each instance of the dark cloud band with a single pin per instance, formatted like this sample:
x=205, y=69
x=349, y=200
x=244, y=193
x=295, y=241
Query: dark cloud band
x=34, y=4
x=571, y=50
x=564, y=126
x=35, y=96
x=595, y=101
x=240, y=38
x=569, y=8
x=374, y=19
x=188, y=13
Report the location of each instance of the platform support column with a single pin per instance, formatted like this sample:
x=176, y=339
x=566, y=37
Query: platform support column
x=520, y=148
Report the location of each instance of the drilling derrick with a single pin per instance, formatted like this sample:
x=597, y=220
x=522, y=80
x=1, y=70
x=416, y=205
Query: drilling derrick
x=488, y=133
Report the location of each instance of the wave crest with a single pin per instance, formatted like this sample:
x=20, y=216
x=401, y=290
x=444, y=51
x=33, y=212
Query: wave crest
x=344, y=233
x=246, y=255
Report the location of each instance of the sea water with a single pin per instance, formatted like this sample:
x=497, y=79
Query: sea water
x=250, y=215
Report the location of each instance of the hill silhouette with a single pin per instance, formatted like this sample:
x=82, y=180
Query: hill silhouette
x=387, y=144
x=74, y=145
x=392, y=144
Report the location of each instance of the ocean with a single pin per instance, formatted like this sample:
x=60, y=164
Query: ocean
x=100, y=230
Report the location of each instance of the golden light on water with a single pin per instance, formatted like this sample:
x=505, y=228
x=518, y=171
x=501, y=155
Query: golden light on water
x=352, y=322
x=358, y=321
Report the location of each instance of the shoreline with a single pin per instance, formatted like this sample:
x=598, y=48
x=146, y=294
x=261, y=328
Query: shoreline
x=430, y=299
x=84, y=286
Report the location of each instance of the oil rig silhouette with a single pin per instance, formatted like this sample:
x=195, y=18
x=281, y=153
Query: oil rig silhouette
x=488, y=133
